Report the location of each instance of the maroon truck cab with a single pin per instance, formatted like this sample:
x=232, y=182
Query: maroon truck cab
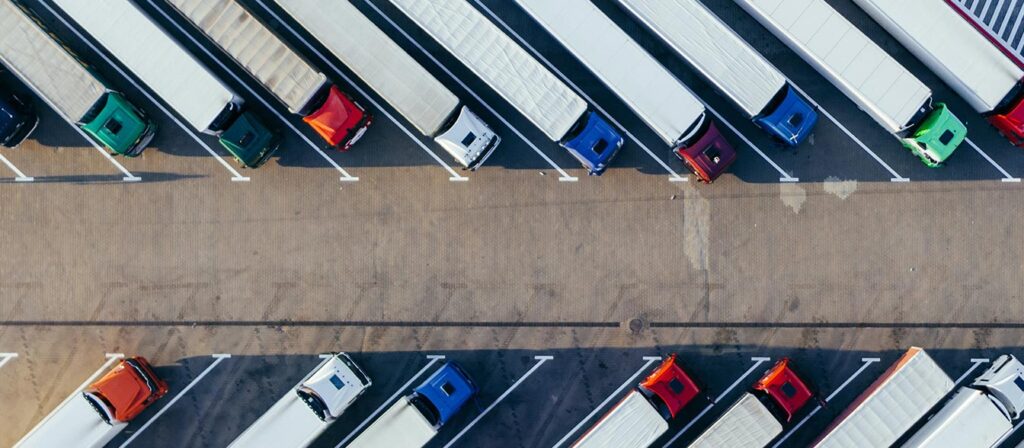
x=786, y=390
x=669, y=386
x=709, y=155
x=339, y=120
x=1010, y=123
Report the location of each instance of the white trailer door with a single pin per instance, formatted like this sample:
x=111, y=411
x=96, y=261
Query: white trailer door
x=842, y=53
x=713, y=49
x=951, y=47
x=661, y=101
x=501, y=63
x=268, y=59
x=377, y=60
x=148, y=52
x=633, y=423
x=746, y=424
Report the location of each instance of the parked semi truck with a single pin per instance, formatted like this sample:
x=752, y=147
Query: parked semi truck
x=872, y=79
x=17, y=119
x=904, y=393
x=642, y=416
x=935, y=33
x=384, y=66
x=757, y=417
x=175, y=76
x=413, y=420
x=62, y=81
x=300, y=87
x=92, y=417
x=517, y=77
x=730, y=64
x=651, y=91
x=309, y=408
x=980, y=414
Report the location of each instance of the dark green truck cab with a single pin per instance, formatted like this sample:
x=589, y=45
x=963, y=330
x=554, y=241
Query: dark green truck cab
x=120, y=126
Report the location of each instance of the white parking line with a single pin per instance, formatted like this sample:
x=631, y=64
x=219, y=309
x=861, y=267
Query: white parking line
x=345, y=176
x=540, y=360
x=433, y=359
x=455, y=177
x=21, y=177
x=1006, y=176
x=218, y=358
x=237, y=177
x=649, y=360
x=757, y=362
x=7, y=357
x=563, y=176
x=975, y=362
x=673, y=176
x=867, y=362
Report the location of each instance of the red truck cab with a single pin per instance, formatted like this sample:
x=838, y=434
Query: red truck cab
x=669, y=388
x=708, y=156
x=339, y=120
x=786, y=390
x=1010, y=122
x=126, y=391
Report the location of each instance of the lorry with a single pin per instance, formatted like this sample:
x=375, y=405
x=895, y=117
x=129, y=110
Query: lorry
x=730, y=64
x=401, y=81
x=651, y=91
x=517, y=77
x=301, y=88
x=174, y=75
x=865, y=73
x=415, y=419
x=642, y=416
x=309, y=408
x=92, y=417
x=980, y=414
x=757, y=417
x=63, y=82
x=964, y=59
x=17, y=119
x=891, y=405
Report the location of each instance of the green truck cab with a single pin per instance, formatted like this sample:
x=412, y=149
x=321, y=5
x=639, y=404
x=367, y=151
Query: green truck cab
x=245, y=136
x=938, y=135
x=120, y=126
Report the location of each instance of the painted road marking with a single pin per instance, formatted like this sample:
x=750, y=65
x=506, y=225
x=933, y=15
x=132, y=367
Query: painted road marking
x=540, y=360
x=867, y=362
x=975, y=363
x=1006, y=176
x=563, y=176
x=7, y=357
x=433, y=359
x=757, y=362
x=236, y=176
x=218, y=358
x=649, y=360
x=345, y=176
x=455, y=177
x=20, y=177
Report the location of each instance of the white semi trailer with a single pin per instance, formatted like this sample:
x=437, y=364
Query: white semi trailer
x=728, y=62
x=519, y=78
x=397, y=77
x=891, y=405
x=667, y=106
x=306, y=411
x=980, y=414
x=174, y=75
x=934, y=32
x=872, y=79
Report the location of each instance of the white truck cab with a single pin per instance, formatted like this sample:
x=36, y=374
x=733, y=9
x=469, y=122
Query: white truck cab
x=468, y=139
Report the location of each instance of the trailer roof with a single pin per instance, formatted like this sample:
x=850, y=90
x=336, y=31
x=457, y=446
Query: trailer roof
x=149, y=53
x=402, y=425
x=951, y=47
x=710, y=46
x=968, y=419
x=519, y=78
x=39, y=61
x=632, y=423
x=377, y=60
x=746, y=423
x=842, y=53
x=651, y=91
x=265, y=56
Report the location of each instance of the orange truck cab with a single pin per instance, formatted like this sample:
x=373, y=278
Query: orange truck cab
x=126, y=391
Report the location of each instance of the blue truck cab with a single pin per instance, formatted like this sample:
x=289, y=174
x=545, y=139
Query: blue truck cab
x=442, y=395
x=593, y=142
x=17, y=120
x=789, y=118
